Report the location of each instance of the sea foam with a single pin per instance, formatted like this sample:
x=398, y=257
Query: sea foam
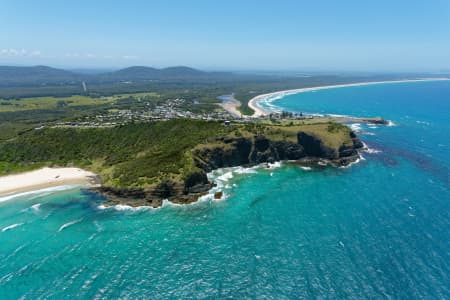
x=11, y=226
x=64, y=226
x=39, y=193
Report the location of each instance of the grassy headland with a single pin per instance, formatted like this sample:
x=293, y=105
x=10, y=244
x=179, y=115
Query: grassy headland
x=176, y=152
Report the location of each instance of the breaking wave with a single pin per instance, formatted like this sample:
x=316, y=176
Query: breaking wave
x=39, y=193
x=11, y=226
x=64, y=226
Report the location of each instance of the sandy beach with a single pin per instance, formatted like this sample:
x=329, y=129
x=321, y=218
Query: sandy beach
x=44, y=178
x=231, y=105
x=260, y=111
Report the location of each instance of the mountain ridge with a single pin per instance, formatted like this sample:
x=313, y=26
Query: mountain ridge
x=45, y=75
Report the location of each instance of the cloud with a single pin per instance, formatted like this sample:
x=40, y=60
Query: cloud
x=129, y=57
x=98, y=56
x=11, y=52
x=35, y=53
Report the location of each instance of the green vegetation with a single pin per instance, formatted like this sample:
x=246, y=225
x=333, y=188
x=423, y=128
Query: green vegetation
x=143, y=154
x=35, y=103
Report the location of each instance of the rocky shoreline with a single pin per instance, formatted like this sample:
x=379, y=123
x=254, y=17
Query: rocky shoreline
x=233, y=152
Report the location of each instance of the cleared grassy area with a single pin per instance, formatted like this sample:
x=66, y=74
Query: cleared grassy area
x=35, y=103
x=331, y=133
x=50, y=102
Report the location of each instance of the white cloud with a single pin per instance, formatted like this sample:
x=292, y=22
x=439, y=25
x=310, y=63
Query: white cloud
x=72, y=54
x=99, y=56
x=35, y=53
x=129, y=57
x=11, y=52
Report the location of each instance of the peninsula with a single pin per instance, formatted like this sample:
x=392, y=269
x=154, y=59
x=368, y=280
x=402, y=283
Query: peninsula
x=145, y=163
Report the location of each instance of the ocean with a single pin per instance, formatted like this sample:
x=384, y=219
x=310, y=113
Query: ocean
x=377, y=229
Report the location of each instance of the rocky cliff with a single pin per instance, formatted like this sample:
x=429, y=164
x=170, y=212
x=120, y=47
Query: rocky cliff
x=236, y=151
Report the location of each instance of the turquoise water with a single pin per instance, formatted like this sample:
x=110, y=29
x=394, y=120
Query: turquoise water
x=378, y=229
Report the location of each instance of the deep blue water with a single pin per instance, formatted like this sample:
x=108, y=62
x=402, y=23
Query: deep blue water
x=378, y=229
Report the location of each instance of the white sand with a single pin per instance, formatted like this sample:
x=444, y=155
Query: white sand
x=43, y=178
x=259, y=111
x=231, y=106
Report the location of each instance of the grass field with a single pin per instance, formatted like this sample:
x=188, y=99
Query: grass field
x=58, y=102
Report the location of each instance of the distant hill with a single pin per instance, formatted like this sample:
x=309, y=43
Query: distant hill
x=47, y=76
x=36, y=76
x=139, y=73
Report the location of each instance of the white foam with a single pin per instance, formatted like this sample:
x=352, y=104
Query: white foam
x=64, y=226
x=123, y=207
x=356, y=127
x=372, y=151
x=353, y=163
x=367, y=149
x=390, y=123
x=423, y=122
x=242, y=170
x=367, y=133
x=306, y=168
x=226, y=176
x=275, y=165
x=36, y=207
x=11, y=226
x=39, y=193
x=322, y=163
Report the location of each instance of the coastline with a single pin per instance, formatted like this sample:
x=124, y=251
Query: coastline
x=260, y=111
x=231, y=104
x=45, y=178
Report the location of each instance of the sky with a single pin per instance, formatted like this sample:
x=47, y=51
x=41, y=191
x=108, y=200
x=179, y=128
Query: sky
x=344, y=35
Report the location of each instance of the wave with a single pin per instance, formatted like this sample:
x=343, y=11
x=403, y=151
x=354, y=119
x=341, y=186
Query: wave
x=11, y=226
x=64, y=226
x=39, y=192
x=98, y=226
x=356, y=127
x=390, y=123
x=372, y=151
x=274, y=165
x=369, y=150
x=358, y=160
x=306, y=168
x=423, y=122
x=367, y=133
x=36, y=207
x=123, y=207
x=242, y=170
x=226, y=176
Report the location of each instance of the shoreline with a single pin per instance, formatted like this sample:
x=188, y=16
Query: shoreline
x=260, y=111
x=231, y=104
x=45, y=178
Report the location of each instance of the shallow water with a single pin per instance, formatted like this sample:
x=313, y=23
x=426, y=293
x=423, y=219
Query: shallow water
x=378, y=229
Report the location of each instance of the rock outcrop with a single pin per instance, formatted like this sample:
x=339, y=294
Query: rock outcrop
x=248, y=152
